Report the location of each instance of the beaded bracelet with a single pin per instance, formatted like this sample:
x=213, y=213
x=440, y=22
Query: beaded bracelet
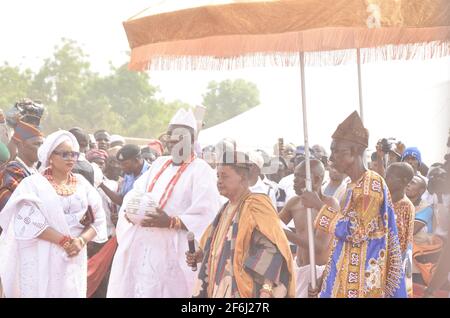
x=83, y=241
x=65, y=242
x=177, y=225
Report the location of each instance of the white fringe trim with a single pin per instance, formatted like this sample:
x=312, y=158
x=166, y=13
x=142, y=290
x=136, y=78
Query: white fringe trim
x=418, y=51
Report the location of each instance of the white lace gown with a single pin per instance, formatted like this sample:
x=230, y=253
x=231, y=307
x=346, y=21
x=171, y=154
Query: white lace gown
x=43, y=268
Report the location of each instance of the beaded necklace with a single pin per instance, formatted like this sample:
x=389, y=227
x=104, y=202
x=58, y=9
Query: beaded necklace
x=169, y=189
x=66, y=189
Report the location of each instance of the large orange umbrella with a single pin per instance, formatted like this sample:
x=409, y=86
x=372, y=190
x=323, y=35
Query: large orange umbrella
x=227, y=34
x=208, y=34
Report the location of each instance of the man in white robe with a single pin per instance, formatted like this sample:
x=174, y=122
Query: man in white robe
x=150, y=259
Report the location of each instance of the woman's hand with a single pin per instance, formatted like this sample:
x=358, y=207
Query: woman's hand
x=194, y=258
x=75, y=247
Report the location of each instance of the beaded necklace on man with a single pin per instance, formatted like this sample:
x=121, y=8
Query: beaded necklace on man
x=67, y=188
x=171, y=185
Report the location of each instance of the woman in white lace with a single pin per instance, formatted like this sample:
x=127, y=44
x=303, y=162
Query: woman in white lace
x=46, y=224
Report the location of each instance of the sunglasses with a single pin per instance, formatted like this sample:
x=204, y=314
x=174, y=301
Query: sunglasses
x=67, y=155
x=169, y=138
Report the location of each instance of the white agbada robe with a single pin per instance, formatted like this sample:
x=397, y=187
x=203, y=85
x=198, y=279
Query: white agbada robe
x=151, y=262
x=32, y=267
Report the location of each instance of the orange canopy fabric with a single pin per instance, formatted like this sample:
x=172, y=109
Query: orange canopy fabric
x=225, y=33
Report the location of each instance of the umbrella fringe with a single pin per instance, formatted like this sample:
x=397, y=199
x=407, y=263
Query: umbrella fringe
x=417, y=51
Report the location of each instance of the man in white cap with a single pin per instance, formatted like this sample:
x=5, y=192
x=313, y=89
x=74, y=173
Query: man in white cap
x=255, y=181
x=150, y=259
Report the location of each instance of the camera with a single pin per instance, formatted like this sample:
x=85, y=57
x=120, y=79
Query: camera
x=26, y=110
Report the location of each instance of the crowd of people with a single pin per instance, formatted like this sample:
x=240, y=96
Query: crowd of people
x=90, y=215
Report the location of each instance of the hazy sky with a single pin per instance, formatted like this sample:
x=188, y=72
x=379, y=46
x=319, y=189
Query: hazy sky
x=404, y=99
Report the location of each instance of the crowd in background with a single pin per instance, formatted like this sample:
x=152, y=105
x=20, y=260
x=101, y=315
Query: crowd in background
x=112, y=167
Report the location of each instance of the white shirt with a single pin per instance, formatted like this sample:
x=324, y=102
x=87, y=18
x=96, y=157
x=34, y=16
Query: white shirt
x=108, y=205
x=442, y=215
x=276, y=189
x=264, y=188
x=287, y=184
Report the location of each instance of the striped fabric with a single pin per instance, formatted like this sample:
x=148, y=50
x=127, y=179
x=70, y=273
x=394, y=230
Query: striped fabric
x=264, y=260
x=10, y=177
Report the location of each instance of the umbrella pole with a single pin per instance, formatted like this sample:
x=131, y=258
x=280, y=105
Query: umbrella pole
x=361, y=104
x=361, y=107
x=312, y=258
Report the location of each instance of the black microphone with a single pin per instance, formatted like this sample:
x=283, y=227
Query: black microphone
x=191, y=243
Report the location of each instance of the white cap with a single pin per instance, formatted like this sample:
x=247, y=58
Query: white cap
x=256, y=158
x=184, y=118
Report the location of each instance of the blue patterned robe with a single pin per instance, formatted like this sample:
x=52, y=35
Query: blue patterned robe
x=365, y=259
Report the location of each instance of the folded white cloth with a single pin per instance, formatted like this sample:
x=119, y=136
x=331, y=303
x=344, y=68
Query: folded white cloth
x=303, y=278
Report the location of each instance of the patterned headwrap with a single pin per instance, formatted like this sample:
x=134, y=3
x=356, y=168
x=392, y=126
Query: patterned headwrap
x=352, y=129
x=412, y=152
x=24, y=131
x=96, y=154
